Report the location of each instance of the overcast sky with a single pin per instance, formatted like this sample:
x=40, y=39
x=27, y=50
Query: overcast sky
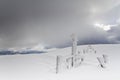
x=26, y=23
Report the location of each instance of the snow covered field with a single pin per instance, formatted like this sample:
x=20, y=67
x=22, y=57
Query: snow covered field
x=42, y=66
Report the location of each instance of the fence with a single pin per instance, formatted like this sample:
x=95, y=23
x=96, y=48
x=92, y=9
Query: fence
x=72, y=61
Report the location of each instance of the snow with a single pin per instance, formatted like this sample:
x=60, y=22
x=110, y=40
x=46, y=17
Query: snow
x=42, y=66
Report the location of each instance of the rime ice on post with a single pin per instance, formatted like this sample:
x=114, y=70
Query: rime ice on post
x=74, y=44
x=105, y=57
x=68, y=63
x=101, y=61
x=74, y=48
x=58, y=64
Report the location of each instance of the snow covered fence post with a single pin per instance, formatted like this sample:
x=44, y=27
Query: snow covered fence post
x=74, y=48
x=105, y=57
x=58, y=64
x=101, y=61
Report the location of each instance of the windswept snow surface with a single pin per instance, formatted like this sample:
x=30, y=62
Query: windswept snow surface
x=42, y=66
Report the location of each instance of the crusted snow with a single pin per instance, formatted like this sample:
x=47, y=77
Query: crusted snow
x=42, y=66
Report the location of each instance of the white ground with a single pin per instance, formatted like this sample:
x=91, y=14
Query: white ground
x=42, y=66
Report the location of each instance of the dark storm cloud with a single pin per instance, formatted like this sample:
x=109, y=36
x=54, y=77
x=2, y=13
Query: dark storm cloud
x=29, y=22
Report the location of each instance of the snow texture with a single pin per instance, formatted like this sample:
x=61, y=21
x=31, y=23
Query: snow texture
x=43, y=66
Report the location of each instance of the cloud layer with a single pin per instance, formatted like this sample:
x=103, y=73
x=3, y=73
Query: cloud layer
x=50, y=22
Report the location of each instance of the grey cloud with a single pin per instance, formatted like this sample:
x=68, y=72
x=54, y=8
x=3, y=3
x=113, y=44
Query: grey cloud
x=29, y=22
x=114, y=34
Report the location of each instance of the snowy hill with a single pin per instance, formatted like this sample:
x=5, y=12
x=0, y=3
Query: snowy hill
x=12, y=52
x=42, y=66
x=37, y=49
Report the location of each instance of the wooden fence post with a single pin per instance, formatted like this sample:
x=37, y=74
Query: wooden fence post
x=58, y=64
